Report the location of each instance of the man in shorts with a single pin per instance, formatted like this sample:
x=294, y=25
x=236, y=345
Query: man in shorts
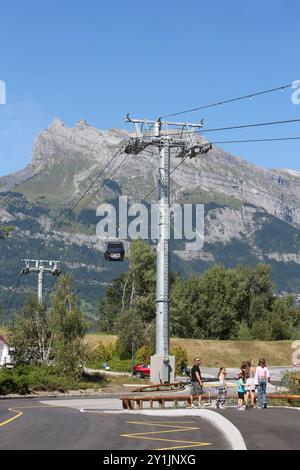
x=196, y=381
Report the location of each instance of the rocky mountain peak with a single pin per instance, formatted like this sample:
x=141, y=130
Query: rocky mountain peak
x=82, y=124
x=56, y=124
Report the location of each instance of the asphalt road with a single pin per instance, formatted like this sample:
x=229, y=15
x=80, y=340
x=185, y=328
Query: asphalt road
x=270, y=429
x=61, y=424
x=33, y=425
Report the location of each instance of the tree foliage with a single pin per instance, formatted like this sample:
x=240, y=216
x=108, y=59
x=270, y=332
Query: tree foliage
x=5, y=230
x=38, y=336
x=30, y=335
x=237, y=303
x=68, y=328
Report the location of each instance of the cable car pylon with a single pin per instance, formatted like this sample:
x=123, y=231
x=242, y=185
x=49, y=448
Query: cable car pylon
x=162, y=364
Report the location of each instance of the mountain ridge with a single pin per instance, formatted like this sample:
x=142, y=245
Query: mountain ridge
x=252, y=214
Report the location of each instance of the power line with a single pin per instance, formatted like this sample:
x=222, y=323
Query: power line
x=256, y=140
x=96, y=179
x=154, y=187
x=219, y=103
x=64, y=217
x=107, y=178
x=240, y=126
x=227, y=142
x=247, y=126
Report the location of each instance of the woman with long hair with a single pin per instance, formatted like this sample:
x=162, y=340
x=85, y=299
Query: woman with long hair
x=222, y=389
x=262, y=377
x=250, y=383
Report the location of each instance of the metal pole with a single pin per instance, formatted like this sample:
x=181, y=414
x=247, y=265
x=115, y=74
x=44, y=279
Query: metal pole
x=162, y=364
x=40, y=284
x=132, y=351
x=162, y=271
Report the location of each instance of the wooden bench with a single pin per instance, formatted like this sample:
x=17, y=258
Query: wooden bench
x=166, y=387
x=289, y=398
x=132, y=402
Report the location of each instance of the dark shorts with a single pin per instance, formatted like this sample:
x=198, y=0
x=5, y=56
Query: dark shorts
x=196, y=388
x=241, y=395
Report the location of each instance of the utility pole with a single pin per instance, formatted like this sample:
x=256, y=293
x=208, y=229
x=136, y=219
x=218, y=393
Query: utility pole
x=162, y=364
x=41, y=267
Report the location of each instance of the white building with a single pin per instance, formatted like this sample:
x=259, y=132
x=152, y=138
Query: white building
x=5, y=358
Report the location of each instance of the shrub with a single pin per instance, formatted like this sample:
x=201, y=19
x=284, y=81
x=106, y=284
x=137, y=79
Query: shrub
x=143, y=355
x=120, y=365
x=102, y=353
x=7, y=384
x=181, y=358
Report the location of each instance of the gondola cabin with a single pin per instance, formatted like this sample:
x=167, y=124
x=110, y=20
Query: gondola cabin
x=114, y=251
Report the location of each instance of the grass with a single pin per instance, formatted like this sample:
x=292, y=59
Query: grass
x=217, y=353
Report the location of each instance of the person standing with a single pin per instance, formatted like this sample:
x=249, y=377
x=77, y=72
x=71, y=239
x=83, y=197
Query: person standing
x=250, y=383
x=196, y=381
x=241, y=392
x=262, y=377
x=222, y=389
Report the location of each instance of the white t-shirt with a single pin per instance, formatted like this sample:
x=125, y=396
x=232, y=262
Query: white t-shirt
x=261, y=373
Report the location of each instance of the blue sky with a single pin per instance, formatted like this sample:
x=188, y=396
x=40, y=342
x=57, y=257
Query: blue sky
x=99, y=60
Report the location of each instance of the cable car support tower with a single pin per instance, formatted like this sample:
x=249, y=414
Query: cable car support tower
x=41, y=267
x=162, y=364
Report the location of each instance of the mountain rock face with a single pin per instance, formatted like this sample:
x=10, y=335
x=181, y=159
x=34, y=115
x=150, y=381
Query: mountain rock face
x=251, y=214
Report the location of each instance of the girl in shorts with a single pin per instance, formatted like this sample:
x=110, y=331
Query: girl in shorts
x=250, y=384
x=241, y=392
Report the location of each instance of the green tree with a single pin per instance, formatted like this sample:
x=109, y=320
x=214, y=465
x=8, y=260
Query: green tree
x=282, y=318
x=68, y=328
x=5, y=230
x=30, y=335
x=182, y=315
x=216, y=304
x=130, y=328
x=137, y=287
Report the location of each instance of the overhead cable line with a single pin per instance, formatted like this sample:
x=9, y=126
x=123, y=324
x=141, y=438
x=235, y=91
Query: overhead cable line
x=64, y=217
x=257, y=140
x=108, y=177
x=95, y=180
x=240, y=126
x=227, y=142
x=154, y=187
x=219, y=103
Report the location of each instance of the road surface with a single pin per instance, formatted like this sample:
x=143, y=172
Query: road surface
x=96, y=424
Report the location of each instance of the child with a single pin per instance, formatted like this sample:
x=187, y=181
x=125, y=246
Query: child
x=250, y=384
x=241, y=392
x=222, y=389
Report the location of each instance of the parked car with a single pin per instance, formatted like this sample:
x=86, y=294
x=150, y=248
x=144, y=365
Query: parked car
x=141, y=370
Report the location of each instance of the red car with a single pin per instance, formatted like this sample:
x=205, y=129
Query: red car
x=141, y=371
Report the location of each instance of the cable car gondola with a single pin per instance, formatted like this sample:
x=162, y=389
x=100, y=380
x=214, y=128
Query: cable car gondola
x=114, y=251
